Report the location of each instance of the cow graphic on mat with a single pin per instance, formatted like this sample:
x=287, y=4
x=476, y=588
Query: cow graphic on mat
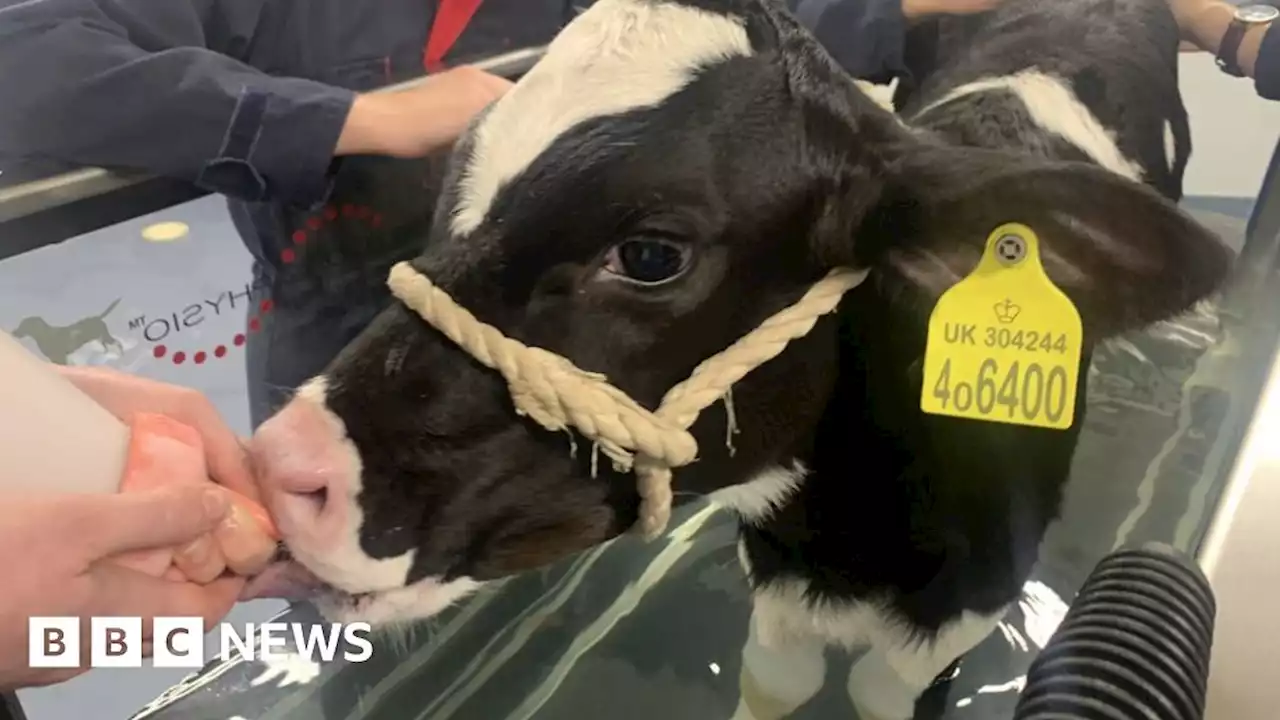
x=57, y=343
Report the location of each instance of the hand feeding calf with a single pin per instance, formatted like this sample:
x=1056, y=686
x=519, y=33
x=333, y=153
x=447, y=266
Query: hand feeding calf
x=670, y=176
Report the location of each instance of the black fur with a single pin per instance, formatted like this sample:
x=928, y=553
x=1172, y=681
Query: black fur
x=1119, y=56
x=776, y=168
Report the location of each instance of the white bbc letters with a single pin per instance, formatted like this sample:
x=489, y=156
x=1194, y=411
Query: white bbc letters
x=179, y=642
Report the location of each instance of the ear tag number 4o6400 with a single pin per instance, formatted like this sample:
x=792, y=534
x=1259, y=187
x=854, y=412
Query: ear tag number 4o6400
x=1004, y=343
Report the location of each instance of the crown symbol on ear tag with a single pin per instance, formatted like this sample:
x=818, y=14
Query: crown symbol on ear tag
x=1007, y=311
x=1005, y=342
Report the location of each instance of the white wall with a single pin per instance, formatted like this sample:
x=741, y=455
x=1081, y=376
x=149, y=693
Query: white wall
x=1233, y=131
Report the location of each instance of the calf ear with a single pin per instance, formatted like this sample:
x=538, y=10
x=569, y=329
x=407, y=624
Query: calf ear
x=1125, y=255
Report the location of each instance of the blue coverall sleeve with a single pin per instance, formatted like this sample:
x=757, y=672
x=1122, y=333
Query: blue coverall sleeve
x=867, y=37
x=133, y=84
x=1266, y=71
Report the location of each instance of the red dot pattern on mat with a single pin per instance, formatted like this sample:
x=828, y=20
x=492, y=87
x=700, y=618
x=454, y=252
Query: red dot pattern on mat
x=288, y=255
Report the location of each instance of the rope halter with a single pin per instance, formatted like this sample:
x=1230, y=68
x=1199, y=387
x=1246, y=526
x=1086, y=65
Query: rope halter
x=559, y=396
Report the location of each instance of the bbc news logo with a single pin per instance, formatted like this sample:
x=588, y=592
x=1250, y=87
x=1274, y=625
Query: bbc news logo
x=179, y=642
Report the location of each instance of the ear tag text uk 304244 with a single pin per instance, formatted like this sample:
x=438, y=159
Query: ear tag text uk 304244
x=1004, y=343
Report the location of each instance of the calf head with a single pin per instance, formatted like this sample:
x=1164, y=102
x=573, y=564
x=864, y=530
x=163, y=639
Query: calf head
x=670, y=175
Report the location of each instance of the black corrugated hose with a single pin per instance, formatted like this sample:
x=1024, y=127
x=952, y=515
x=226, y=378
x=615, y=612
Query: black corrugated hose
x=1134, y=645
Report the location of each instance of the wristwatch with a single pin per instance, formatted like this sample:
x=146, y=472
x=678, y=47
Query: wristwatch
x=1246, y=18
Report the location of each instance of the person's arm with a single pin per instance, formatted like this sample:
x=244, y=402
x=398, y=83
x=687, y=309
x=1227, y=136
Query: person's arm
x=1263, y=56
x=59, y=554
x=79, y=87
x=1205, y=22
x=867, y=37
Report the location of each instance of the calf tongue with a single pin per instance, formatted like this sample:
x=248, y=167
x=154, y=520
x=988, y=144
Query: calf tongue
x=285, y=579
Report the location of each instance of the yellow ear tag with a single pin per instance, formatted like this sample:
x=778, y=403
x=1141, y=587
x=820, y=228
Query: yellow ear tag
x=1004, y=343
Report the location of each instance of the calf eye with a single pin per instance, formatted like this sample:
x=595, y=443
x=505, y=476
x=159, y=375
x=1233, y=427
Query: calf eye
x=648, y=260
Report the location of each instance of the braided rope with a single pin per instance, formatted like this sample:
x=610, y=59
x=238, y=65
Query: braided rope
x=559, y=396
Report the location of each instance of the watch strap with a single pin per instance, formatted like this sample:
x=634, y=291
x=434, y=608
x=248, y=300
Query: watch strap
x=1229, y=49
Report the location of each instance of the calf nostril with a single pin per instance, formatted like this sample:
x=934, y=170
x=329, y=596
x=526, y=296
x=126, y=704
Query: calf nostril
x=316, y=499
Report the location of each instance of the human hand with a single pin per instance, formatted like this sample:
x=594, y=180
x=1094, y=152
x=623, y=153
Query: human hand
x=238, y=544
x=52, y=548
x=414, y=122
x=915, y=9
x=1184, y=10
x=1191, y=13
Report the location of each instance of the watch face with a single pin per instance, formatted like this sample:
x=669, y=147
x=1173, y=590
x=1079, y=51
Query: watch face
x=1257, y=13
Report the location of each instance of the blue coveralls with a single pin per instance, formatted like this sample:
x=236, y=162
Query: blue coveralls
x=247, y=98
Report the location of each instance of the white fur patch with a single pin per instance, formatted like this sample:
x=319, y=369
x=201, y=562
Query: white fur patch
x=314, y=391
x=889, y=678
x=758, y=498
x=618, y=55
x=785, y=616
x=883, y=96
x=1170, y=146
x=787, y=677
x=343, y=564
x=1055, y=108
x=423, y=599
x=897, y=668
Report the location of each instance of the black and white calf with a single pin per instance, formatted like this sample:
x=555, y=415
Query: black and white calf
x=1088, y=80
x=672, y=173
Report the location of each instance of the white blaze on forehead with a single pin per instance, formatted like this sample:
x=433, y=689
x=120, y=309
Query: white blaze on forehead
x=1055, y=108
x=618, y=55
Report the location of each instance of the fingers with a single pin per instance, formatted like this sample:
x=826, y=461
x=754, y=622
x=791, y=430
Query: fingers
x=137, y=530
x=225, y=455
x=152, y=562
x=245, y=547
x=496, y=84
x=118, y=591
x=238, y=544
x=253, y=512
x=200, y=561
x=492, y=86
x=174, y=516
